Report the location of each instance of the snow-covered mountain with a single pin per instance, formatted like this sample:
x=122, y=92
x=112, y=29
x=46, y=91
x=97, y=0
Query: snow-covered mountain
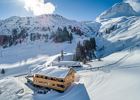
x=119, y=27
x=118, y=10
x=115, y=26
x=39, y=24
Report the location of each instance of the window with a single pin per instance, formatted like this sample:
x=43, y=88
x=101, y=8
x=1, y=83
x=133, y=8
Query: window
x=60, y=80
x=49, y=78
x=52, y=79
x=62, y=86
x=38, y=76
x=53, y=84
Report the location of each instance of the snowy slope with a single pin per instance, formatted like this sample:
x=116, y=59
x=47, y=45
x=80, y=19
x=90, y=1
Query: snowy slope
x=118, y=79
x=13, y=89
x=29, y=55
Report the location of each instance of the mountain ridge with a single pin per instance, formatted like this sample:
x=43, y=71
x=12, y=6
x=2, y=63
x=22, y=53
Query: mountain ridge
x=49, y=20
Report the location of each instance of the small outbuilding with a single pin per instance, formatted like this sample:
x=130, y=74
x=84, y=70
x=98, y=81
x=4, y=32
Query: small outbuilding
x=55, y=78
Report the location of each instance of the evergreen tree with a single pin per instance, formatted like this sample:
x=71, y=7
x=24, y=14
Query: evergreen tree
x=62, y=54
x=87, y=45
x=59, y=59
x=23, y=33
x=86, y=51
x=83, y=53
x=74, y=29
x=70, y=27
x=14, y=34
x=79, y=32
x=62, y=35
x=65, y=34
x=80, y=52
x=2, y=71
x=93, y=43
x=57, y=35
x=93, y=47
x=46, y=37
x=49, y=29
x=84, y=61
x=70, y=37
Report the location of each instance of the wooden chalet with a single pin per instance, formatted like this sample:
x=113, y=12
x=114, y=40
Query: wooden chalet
x=55, y=78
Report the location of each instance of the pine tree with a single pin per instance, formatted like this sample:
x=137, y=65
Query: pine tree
x=62, y=35
x=79, y=32
x=59, y=59
x=84, y=61
x=46, y=37
x=14, y=33
x=74, y=29
x=70, y=37
x=80, y=52
x=62, y=54
x=57, y=35
x=2, y=71
x=66, y=34
x=83, y=53
x=23, y=33
x=86, y=51
x=87, y=45
x=93, y=43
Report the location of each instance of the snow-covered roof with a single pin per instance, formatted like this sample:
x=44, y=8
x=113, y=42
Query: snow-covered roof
x=55, y=72
x=66, y=63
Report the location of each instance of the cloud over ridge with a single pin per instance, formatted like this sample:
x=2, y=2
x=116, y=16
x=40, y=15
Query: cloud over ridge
x=39, y=7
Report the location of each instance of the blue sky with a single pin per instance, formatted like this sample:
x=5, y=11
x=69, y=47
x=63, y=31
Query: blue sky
x=73, y=9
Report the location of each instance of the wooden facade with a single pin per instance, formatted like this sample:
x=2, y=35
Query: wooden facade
x=59, y=84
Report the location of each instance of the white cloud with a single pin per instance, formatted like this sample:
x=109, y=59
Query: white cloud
x=39, y=7
x=135, y=4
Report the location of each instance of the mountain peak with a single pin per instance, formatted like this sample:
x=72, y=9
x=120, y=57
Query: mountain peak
x=118, y=10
